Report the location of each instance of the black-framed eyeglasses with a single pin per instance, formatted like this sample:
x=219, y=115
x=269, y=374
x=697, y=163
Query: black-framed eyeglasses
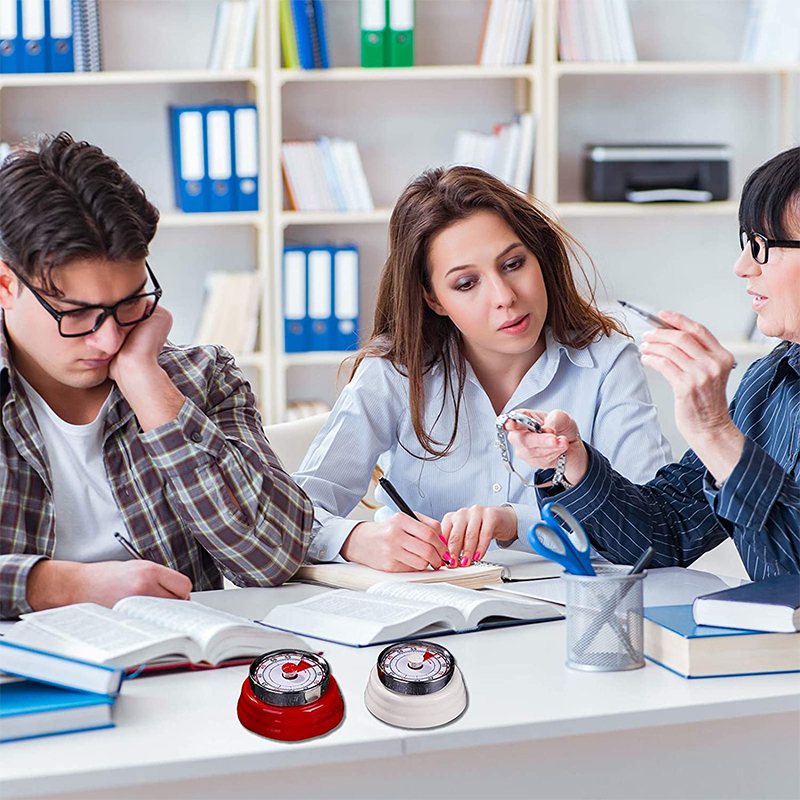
x=760, y=245
x=83, y=321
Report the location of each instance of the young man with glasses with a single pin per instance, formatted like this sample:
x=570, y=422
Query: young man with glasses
x=104, y=426
x=741, y=479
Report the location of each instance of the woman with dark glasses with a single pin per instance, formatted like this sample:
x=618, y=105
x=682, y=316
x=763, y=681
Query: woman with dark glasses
x=741, y=479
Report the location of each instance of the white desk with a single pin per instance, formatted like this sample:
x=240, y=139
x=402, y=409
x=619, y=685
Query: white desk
x=533, y=728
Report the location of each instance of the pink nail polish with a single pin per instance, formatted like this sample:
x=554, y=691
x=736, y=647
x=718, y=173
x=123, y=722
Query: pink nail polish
x=464, y=561
x=441, y=536
x=476, y=557
x=447, y=556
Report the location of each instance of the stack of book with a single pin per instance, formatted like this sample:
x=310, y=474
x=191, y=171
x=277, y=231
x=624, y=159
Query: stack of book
x=230, y=311
x=37, y=36
x=387, y=33
x=595, y=31
x=772, y=35
x=215, y=157
x=507, y=152
x=304, y=43
x=320, y=298
x=506, y=32
x=326, y=175
x=234, y=35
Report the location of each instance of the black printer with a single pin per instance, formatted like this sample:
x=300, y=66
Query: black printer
x=647, y=173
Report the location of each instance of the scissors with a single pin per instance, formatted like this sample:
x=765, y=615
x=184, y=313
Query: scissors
x=566, y=545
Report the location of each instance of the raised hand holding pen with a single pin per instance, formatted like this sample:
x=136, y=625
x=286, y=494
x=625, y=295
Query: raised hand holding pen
x=406, y=542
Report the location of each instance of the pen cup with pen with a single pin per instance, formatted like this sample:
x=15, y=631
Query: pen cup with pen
x=604, y=607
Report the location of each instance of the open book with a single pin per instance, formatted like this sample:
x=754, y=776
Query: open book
x=141, y=630
x=395, y=610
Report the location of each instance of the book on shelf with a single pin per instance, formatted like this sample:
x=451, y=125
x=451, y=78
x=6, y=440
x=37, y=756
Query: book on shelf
x=29, y=709
x=673, y=640
x=393, y=610
x=772, y=33
x=507, y=152
x=234, y=35
x=771, y=605
x=301, y=409
x=58, y=670
x=230, y=311
x=146, y=630
x=507, y=31
x=304, y=41
x=600, y=30
x=325, y=175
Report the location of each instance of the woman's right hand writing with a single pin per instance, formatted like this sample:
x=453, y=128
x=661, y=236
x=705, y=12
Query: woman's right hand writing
x=541, y=450
x=399, y=544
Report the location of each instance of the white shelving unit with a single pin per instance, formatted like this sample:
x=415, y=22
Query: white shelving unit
x=403, y=120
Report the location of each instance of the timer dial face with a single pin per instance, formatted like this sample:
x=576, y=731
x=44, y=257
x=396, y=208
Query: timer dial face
x=289, y=677
x=415, y=667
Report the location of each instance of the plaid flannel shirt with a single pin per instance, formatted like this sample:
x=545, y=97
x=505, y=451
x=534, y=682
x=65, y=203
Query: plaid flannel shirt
x=203, y=494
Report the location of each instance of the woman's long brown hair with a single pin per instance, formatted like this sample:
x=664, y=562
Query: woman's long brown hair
x=412, y=337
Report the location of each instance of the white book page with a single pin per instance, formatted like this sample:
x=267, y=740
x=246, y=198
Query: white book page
x=185, y=617
x=357, y=618
x=90, y=631
x=474, y=605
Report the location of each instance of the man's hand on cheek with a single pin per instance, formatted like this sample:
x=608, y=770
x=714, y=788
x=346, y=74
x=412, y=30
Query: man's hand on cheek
x=142, y=345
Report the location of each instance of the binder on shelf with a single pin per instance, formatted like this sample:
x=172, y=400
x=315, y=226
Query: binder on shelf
x=373, y=33
x=320, y=298
x=245, y=157
x=295, y=301
x=345, y=297
x=321, y=36
x=291, y=60
x=302, y=16
x=34, y=36
x=189, y=158
x=60, y=21
x=218, y=128
x=10, y=37
x=401, y=34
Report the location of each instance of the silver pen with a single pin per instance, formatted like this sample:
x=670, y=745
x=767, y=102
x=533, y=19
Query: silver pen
x=655, y=321
x=128, y=546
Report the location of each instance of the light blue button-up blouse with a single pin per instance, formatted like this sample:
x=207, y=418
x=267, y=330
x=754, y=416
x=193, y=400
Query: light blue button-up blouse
x=602, y=387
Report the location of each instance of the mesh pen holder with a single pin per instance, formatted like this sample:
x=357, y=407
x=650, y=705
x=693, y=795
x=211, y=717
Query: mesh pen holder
x=604, y=620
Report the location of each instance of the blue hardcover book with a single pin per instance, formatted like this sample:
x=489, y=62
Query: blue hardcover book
x=29, y=709
x=58, y=670
x=302, y=33
x=10, y=37
x=34, y=36
x=244, y=122
x=59, y=16
x=321, y=35
x=345, y=297
x=218, y=130
x=189, y=158
x=769, y=605
x=673, y=640
x=320, y=298
x=296, y=335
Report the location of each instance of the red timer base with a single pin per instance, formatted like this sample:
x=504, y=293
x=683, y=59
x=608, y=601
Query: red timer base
x=291, y=723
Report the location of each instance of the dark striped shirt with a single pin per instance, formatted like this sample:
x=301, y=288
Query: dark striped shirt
x=682, y=513
x=204, y=494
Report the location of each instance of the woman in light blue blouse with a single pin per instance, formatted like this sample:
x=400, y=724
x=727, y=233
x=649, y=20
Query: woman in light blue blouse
x=478, y=314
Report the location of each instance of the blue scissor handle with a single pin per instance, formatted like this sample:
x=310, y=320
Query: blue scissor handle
x=553, y=544
x=554, y=515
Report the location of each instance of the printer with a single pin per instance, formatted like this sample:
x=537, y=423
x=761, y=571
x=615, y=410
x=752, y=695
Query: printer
x=648, y=173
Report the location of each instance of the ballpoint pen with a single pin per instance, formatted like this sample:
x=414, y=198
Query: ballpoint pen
x=128, y=546
x=387, y=487
x=655, y=321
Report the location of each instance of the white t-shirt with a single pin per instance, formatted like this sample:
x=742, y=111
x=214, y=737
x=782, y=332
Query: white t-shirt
x=86, y=512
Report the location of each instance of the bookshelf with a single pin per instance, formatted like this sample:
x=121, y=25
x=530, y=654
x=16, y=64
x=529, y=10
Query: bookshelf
x=404, y=120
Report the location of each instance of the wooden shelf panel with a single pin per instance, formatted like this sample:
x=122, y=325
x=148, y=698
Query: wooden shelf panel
x=316, y=358
x=460, y=72
x=725, y=207
x=672, y=68
x=178, y=219
x=130, y=77
x=335, y=217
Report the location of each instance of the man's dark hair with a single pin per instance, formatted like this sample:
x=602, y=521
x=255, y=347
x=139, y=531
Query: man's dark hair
x=768, y=193
x=69, y=200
